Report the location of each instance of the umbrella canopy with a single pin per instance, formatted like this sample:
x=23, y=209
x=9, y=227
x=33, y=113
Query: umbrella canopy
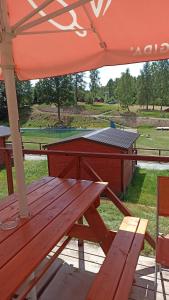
x=50, y=38
x=43, y=38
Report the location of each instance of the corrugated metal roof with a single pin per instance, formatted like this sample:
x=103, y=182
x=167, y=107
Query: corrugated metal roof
x=114, y=137
x=4, y=131
x=109, y=136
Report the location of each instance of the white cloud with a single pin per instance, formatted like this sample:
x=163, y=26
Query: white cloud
x=115, y=71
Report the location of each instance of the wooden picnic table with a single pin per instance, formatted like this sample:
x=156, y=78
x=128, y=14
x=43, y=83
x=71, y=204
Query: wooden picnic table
x=55, y=207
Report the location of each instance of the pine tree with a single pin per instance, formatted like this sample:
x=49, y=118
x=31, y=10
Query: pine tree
x=125, y=90
x=94, y=83
x=79, y=86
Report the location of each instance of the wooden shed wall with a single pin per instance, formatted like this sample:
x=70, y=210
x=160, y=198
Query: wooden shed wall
x=2, y=144
x=109, y=169
x=128, y=169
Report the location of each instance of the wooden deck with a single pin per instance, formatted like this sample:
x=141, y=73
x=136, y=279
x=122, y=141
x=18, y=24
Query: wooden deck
x=69, y=280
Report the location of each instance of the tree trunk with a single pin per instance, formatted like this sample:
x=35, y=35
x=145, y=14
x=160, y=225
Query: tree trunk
x=147, y=105
x=76, y=91
x=59, y=114
x=161, y=108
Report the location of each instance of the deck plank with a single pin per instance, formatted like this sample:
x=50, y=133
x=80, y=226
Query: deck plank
x=143, y=288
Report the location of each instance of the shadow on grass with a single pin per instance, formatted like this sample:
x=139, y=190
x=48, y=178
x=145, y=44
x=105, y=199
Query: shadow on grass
x=134, y=190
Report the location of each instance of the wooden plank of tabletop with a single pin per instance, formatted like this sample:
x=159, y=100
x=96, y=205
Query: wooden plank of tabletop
x=12, y=211
x=30, y=188
x=106, y=281
x=57, y=189
x=24, y=263
x=62, y=194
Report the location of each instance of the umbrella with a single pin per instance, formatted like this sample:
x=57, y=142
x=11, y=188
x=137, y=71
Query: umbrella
x=43, y=38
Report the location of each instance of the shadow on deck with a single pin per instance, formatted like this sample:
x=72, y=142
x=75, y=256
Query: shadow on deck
x=71, y=278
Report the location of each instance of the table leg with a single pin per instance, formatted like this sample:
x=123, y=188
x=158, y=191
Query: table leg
x=81, y=250
x=32, y=294
x=99, y=228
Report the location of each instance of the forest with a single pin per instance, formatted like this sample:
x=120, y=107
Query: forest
x=151, y=87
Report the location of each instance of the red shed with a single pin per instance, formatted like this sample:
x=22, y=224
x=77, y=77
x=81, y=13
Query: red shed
x=109, y=140
x=4, y=135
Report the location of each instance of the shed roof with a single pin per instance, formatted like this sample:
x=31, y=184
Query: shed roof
x=4, y=131
x=114, y=137
x=108, y=136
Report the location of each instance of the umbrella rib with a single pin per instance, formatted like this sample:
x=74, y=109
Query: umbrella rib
x=31, y=14
x=102, y=44
x=51, y=16
x=52, y=31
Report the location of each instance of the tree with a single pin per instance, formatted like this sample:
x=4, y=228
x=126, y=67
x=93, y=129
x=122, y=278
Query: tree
x=55, y=90
x=79, y=86
x=163, y=82
x=126, y=90
x=24, y=96
x=24, y=93
x=144, y=86
x=110, y=87
x=3, y=102
x=94, y=83
x=155, y=84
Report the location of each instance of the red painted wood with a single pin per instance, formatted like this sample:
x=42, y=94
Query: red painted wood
x=119, y=204
x=112, y=173
x=2, y=145
x=127, y=277
x=13, y=198
x=56, y=200
x=13, y=210
x=84, y=232
x=99, y=228
x=33, y=241
x=121, y=259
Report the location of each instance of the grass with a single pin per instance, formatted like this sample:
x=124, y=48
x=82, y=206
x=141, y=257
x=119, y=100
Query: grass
x=152, y=138
x=140, y=199
x=142, y=189
x=149, y=136
x=33, y=171
x=46, y=136
x=153, y=114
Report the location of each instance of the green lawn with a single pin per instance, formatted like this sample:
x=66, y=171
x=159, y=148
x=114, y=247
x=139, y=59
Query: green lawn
x=33, y=170
x=152, y=138
x=140, y=197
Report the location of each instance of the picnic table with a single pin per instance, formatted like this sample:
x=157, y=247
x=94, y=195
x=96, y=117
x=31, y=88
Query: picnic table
x=56, y=205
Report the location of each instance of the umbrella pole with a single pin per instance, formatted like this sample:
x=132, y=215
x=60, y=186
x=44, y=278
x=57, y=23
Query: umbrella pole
x=9, y=78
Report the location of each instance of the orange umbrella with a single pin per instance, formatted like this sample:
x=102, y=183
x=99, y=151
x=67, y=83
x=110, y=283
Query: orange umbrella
x=42, y=38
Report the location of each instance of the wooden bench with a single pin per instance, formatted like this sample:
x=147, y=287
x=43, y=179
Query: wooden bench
x=115, y=278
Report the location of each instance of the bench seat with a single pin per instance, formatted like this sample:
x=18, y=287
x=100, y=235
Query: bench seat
x=115, y=278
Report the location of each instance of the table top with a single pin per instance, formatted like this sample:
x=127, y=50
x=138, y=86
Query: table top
x=55, y=205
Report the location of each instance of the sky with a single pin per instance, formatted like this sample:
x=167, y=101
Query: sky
x=113, y=72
